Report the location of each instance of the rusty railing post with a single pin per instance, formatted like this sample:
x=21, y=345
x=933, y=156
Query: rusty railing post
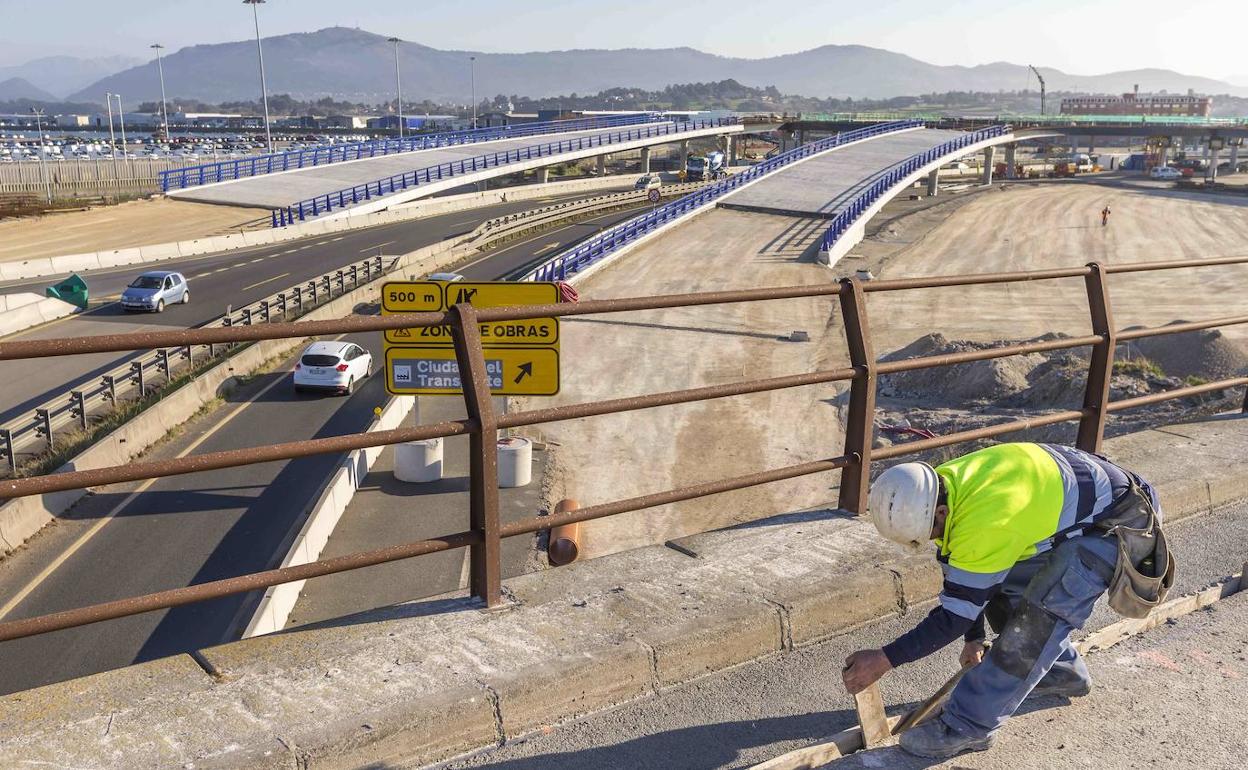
x=485, y=579
x=855, y=477
x=1101, y=365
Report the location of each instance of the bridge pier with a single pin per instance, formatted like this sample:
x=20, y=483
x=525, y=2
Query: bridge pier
x=933, y=183
x=684, y=154
x=602, y=165
x=990, y=154
x=1234, y=169
x=645, y=160
x=543, y=175
x=1011, y=161
x=730, y=150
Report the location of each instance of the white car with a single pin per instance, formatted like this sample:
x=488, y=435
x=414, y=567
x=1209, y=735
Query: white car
x=1165, y=172
x=334, y=366
x=448, y=277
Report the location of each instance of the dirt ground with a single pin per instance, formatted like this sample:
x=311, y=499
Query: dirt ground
x=135, y=223
x=1014, y=227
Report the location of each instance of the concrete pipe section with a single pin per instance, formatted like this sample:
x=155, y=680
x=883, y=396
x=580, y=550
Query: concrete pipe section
x=418, y=462
x=515, y=462
x=565, y=540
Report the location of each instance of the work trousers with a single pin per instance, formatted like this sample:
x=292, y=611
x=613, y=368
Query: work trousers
x=1049, y=595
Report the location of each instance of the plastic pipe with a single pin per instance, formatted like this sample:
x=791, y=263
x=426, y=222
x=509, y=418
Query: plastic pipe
x=565, y=540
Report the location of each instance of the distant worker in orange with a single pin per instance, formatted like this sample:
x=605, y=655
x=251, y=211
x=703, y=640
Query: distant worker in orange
x=1105, y=215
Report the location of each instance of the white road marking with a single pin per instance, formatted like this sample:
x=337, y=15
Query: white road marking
x=21, y=595
x=378, y=246
x=546, y=248
x=266, y=280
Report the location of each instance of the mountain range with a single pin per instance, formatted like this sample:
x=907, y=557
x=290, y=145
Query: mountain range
x=20, y=88
x=59, y=76
x=357, y=65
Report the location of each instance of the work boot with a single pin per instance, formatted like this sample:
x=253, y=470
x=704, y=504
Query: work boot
x=937, y=740
x=1062, y=683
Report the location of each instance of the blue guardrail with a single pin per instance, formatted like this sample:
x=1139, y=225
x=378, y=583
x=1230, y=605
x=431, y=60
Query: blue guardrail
x=322, y=204
x=224, y=171
x=889, y=179
x=564, y=265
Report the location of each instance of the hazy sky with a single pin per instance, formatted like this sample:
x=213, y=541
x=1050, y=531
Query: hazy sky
x=1079, y=36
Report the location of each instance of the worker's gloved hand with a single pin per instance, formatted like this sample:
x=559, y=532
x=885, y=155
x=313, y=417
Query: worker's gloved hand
x=863, y=669
x=972, y=653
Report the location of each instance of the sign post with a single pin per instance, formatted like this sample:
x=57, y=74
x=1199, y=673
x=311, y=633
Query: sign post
x=521, y=357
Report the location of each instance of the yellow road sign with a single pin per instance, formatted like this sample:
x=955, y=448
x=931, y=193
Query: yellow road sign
x=418, y=296
x=425, y=371
x=522, y=357
x=411, y=297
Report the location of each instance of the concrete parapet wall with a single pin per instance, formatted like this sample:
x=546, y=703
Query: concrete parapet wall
x=278, y=602
x=422, y=682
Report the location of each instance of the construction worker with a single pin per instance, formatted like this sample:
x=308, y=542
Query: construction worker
x=1028, y=537
x=1105, y=215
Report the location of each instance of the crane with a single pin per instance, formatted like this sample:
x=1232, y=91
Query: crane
x=1041, y=79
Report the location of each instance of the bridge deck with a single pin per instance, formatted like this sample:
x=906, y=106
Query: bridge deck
x=820, y=186
x=282, y=189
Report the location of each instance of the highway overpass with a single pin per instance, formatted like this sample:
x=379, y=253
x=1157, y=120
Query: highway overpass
x=372, y=184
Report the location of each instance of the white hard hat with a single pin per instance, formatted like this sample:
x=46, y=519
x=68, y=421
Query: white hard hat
x=902, y=503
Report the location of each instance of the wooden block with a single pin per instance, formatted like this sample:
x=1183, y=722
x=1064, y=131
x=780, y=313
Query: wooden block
x=871, y=716
x=842, y=744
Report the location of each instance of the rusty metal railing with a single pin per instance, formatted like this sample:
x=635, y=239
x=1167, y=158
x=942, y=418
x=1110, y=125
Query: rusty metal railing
x=484, y=534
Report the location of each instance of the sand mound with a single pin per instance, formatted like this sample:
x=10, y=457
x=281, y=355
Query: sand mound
x=977, y=381
x=1208, y=354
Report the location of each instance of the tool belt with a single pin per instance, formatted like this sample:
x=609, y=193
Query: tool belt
x=1144, y=572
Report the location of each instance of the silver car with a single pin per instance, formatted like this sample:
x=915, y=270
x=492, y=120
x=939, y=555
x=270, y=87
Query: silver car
x=153, y=290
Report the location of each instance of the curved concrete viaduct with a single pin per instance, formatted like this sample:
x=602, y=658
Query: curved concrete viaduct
x=826, y=186
x=287, y=188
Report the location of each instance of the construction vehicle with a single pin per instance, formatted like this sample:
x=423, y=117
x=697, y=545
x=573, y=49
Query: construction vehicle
x=701, y=168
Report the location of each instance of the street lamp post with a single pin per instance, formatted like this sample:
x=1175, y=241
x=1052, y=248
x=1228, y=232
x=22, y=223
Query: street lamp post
x=112, y=136
x=164, y=108
x=43, y=169
x=264, y=91
x=473, y=69
x=121, y=115
x=398, y=84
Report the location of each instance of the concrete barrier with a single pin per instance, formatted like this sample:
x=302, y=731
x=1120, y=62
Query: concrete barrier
x=160, y=251
x=28, y=314
x=14, y=301
x=121, y=258
x=10, y=271
x=274, y=609
x=75, y=263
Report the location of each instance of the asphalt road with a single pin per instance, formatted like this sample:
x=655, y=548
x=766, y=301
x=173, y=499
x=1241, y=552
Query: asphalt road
x=760, y=710
x=236, y=278
x=191, y=529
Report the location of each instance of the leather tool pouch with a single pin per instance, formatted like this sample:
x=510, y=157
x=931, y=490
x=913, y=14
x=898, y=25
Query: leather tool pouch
x=1145, y=569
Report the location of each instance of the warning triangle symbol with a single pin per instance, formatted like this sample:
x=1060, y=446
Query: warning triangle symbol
x=402, y=332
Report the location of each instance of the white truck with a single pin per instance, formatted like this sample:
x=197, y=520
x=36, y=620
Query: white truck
x=711, y=166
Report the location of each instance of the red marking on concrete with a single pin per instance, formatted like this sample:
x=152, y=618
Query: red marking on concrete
x=1161, y=660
